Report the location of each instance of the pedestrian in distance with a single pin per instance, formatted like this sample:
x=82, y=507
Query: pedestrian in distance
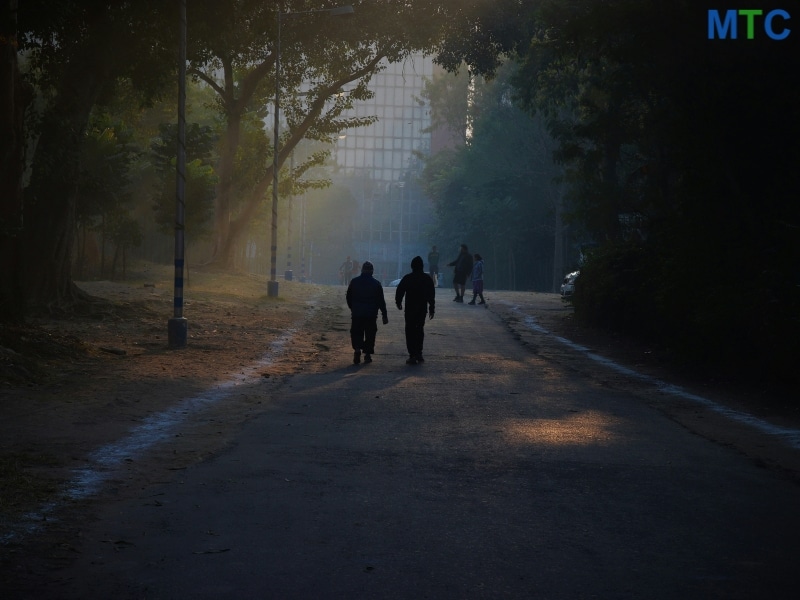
x=364, y=299
x=477, y=280
x=416, y=288
x=346, y=271
x=463, y=267
x=433, y=265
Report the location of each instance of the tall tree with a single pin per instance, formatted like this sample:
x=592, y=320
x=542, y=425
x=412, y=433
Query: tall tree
x=78, y=50
x=681, y=151
x=498, y=190
x=12, y=103
x=235, y=54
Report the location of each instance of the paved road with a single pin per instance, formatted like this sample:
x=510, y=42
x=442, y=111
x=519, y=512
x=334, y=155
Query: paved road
x=487, y=472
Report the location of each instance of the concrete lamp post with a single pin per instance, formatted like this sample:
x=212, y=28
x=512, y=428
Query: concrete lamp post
x=339, y=11
x=177, y=327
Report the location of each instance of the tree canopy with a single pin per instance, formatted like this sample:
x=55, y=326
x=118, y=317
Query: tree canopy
x=77, y=52
x=679, y=153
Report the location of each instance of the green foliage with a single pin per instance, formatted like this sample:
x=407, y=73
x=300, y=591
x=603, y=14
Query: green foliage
x=448, y=97
x=104, y=178
x=125, y=232
x=497, y=193
x=617, y=289
x=104, y=199
x=680, y=158
x=200, y=179
x=198, y=198
x=200, y=143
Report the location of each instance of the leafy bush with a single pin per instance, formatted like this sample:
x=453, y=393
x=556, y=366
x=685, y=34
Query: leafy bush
x=728, y=319
x=615, y=290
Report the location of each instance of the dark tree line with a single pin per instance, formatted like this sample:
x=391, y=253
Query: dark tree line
x=680, y=162
x=497, y=192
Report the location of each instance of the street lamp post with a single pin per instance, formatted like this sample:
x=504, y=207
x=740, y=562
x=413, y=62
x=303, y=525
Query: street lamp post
x=288, y=275
x=177, y=327
x=303, y=240
x=339, y=11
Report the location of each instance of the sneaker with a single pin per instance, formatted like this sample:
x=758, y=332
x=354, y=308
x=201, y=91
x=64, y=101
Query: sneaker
x=411, y=360
x=472, y=302
x=457, y=298
x=356, y=357
x=419, y=358
x=367, y=358
x=460, y=299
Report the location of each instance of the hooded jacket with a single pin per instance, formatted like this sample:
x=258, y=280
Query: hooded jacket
x=417, y=288
x=365, y=296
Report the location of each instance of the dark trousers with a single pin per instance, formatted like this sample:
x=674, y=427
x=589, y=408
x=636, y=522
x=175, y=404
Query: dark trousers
x=362, y=333
x=415, y=332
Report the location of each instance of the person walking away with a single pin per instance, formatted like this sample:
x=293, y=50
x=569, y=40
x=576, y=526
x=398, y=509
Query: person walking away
x=433, y=265
x=364, y=299
x=420, y=298
x=463, y=267
x=477, y=280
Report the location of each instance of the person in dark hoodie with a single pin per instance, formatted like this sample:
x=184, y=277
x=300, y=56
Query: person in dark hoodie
x=364, y=299
x=463, y=267
x=420, y=297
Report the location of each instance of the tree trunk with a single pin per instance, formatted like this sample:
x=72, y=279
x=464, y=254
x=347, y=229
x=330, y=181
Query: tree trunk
x=11, y=168
x=103, y=247
x=236, y=227
x=558, y=254
x=114, y=260
x=227, y=230
x=225, y=170
x=50, y=202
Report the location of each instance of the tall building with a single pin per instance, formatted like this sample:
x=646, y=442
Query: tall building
x=381, y=165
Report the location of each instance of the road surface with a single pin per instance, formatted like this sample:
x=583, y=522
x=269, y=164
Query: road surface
x=493, y=470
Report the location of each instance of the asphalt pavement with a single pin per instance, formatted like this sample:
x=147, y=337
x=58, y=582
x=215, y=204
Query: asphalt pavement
x=486, y=472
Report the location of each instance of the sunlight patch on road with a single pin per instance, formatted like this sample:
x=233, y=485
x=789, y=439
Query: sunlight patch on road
x=584, y=429
x=789, y=436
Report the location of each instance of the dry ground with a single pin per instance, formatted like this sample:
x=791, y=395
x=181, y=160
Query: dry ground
x=72, y=384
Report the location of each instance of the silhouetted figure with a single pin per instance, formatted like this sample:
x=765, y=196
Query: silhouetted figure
x=477, y=280
x=364, y=299
x=420, y=297
x=463, y=267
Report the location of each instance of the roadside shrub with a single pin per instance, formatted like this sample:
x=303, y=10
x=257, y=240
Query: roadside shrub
x=615, y=290
x=727, y=318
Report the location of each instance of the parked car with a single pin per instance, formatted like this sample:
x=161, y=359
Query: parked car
x=568, y=286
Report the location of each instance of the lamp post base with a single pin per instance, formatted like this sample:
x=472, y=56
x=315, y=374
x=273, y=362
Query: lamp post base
x=177, y=332
x=272, y=289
